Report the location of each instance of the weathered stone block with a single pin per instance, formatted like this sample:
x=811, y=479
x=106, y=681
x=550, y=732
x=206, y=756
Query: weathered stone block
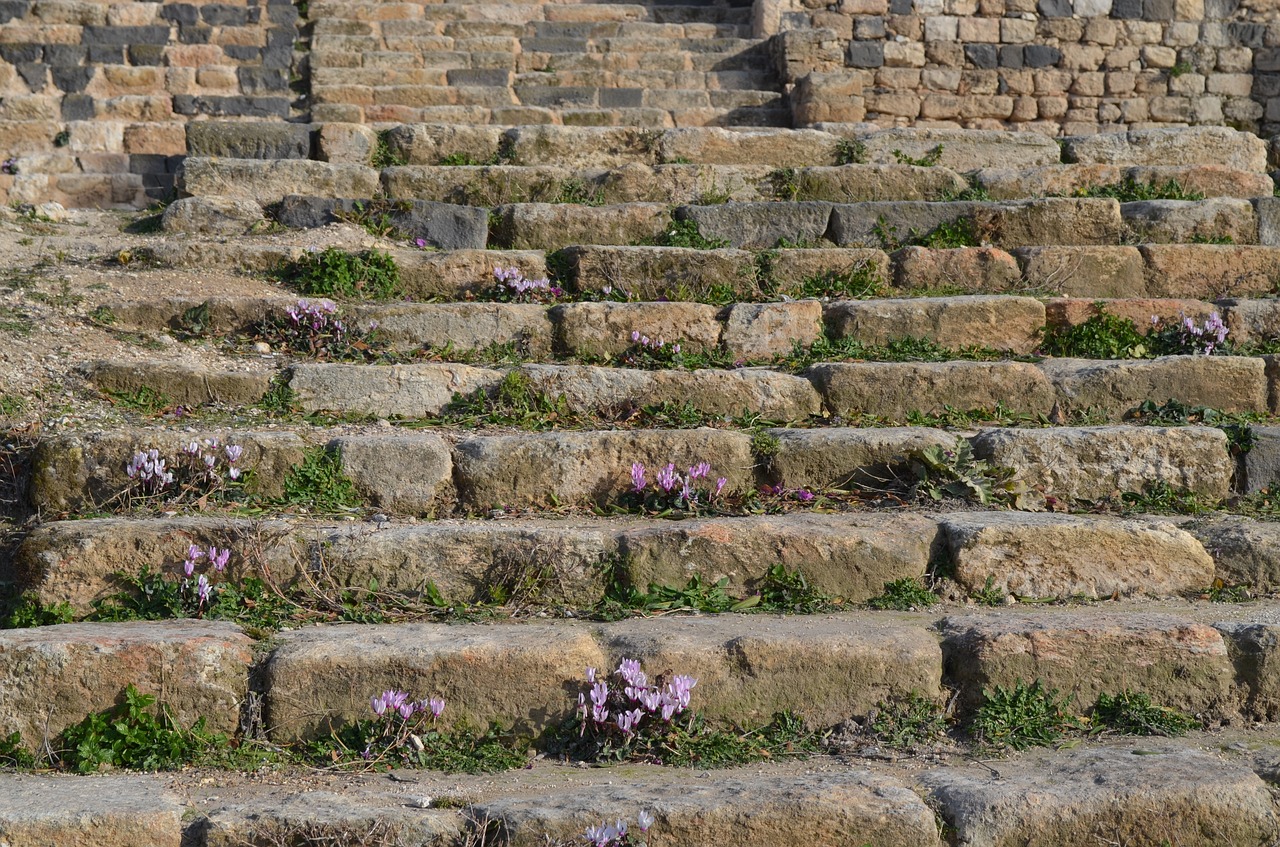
x=1112, y=388
x=1000, y=323
x=411, y=391
x=894, y=389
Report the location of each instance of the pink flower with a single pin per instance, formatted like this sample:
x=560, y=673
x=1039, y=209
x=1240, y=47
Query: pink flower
x=436, y=705
x=637, y=485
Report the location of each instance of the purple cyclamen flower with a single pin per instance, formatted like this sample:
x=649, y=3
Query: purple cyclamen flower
x=420, y=243
x=700, y=470
x=406, y=709
x=637, y=483
x=600, y=693
x=436, y=705
x=804, y=495
x=203, y=588
x=379, y=704
x=644, y=820
x=219, y=558
x=668, y=479
x=591, y=672
x=234, y=452
x=687, y=493
x=627, y=669
x=720, y=484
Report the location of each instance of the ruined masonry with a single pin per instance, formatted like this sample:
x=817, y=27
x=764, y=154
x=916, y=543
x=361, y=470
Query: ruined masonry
x=789, y=188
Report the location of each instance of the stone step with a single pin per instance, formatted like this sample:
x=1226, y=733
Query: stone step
x=492, y=185
x=1174, y=789
x=1066, y=180
x=849, y=556
x=430, y=474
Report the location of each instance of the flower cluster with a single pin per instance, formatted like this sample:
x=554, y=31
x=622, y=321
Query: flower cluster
x=201, y=593
x=199, y=469
x=149, y=472
x=314, y=329
x=392, y=703
x=9, y=166
x=1187, y=337
x=672, y=490
x=512, y=286
x=800, y=495
x=616, y=835
x=402, y=727
x=651, y=353
x=631, y=706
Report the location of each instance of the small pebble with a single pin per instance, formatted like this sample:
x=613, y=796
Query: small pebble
x=261, y=347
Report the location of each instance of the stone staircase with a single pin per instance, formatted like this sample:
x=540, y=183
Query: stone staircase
x=576, y=64
x=797, y=276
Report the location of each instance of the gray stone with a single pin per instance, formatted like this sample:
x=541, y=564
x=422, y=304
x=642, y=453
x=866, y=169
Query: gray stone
x=1245, y=552
x=449, y=275
x=325, y=815
x=1078, y=797
x=1047, y=555
x=760, y=226
x=1253, y=649
x=411, y=391
x=440, y=225
x=1261, y=465
x=888, y=224
x=1052, y=220
x=847, y=458
x=865, y=54
x=778, y=148
x=211, y=216
x=893, y=390
x=1112, y=388
x=761, y=810
x=982, y=56
x=429, y=144
x=1094, y=463
x=1041, y=55
x=997, y=322
x=105, y=811
x=1181, y=221
x=180, y=384
x=409, y=474
x=580, y=147
x=1267, y=210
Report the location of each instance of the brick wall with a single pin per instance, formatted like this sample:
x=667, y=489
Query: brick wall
x=94, y=96
x=1062, y=67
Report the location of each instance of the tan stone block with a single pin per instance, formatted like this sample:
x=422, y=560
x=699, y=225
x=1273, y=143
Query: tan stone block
x=1089, y=84
x=30, y=107
x=1122, y=58
x=1159, y=57
x=95, y=137
x=1235, y=60
x=1188, y=10
x=890, y=103
x=904, y=54
x=132, y=14
x=192, y=55
x=1101, y=31
x=1181, y=34
x=979, y=30
x=1017, y=31
x=137, y=108
x=1019, y=82
x=1024, y=109
x=155, y=139
x=240, y=36
x=31, y=34
x=1143, y=32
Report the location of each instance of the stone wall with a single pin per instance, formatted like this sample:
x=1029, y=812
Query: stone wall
x=1062, y=67
x=94, y=95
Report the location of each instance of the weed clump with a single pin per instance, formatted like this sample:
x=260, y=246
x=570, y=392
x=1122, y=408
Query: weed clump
x=368, y=275
x=1023, y=716
x=904, y=595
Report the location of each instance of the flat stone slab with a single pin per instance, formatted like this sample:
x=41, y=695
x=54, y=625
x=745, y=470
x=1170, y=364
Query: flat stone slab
x=848, y=457
x=1112, y=388
x=463, y=326
x=54, y=676
x=1211, y=180
x=1245, y=552
x=1201, y=145
x=997, y=322
x=847, y=556
x=1084, y=653
x=545, y=469
x=857, y=183
x=1209, y=271
x=267, y=181
x=181, y=385
x=592, y=390
x=1180, y=221
x=407, y=473
x=319, y=816
x=963, y=149
x=451, y=274
x=653, y=273
x=604, y=329
x=764, y=146
x=82, y=471
x=1093, y=463
x=102, y=811
x=892, y=390
x=1045, y=555
x=759, y=810
x=1084, y=271
x=526, y=674
x=760, y=226
x=410, y=391
x=1152, y=794
x=551, y=226
x=981, y=270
